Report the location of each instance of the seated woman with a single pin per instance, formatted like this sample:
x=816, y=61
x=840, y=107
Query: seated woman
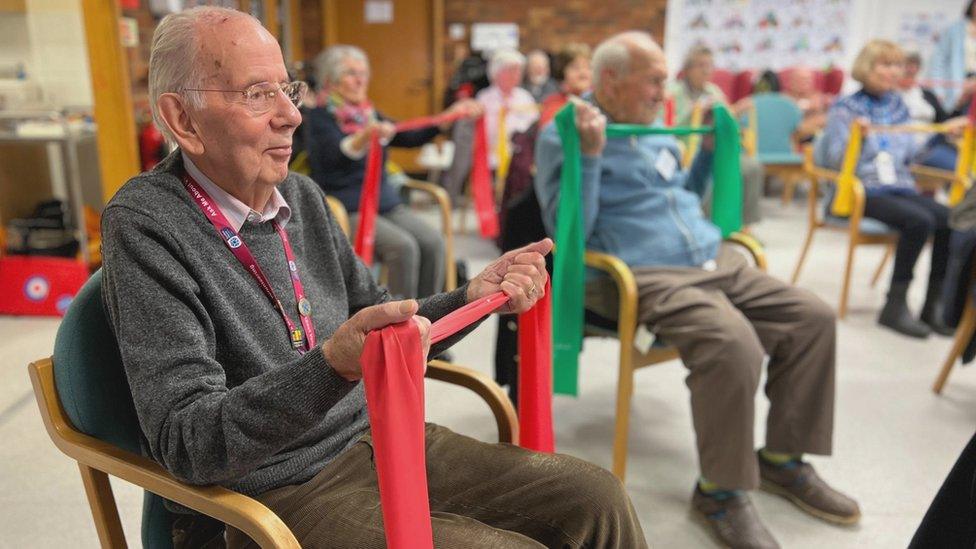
x=695, y=88
x=924, y=107
x=339, y=131
x=891, y=196
x=571, y=69
x=504, y=96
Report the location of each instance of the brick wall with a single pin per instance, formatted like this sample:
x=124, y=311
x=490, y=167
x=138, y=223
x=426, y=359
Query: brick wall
x=548, y=24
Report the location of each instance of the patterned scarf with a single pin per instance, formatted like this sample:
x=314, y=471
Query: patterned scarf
x=351, y=117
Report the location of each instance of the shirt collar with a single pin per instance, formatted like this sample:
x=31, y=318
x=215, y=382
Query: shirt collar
x=233, y=209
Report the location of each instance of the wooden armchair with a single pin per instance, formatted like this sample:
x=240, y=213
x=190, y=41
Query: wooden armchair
x=860, y=230
x=88, y=413
x=624, y=328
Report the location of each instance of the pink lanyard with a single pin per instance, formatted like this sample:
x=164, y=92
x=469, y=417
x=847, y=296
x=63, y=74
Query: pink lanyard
x=301, y=341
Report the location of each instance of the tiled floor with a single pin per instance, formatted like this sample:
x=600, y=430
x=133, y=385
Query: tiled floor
x=894, y=442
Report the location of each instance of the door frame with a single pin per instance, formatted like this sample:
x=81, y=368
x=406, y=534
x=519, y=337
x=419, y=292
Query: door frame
x=330, y=26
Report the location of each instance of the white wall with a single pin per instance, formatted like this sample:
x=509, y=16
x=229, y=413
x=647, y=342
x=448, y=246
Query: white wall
x=59, y=52
x=14, y=40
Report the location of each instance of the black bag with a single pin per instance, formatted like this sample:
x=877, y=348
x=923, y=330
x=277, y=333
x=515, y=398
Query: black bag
x=46, y=232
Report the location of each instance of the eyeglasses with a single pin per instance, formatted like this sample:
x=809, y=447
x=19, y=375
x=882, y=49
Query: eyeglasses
x=260, y=98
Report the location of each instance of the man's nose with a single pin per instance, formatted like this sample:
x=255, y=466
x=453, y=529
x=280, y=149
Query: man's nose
x=286, y=113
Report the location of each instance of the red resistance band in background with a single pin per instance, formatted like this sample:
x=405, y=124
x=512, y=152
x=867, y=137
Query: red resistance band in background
x=369, y=199
x=393, y=375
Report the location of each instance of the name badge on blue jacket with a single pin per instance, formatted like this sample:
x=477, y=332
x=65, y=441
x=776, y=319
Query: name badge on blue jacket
x=666, y=165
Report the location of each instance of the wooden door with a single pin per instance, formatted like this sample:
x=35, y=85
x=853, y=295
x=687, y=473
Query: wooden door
x=401, y=56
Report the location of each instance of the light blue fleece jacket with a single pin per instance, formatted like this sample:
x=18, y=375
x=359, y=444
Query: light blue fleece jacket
x=629, y=209
x=947, y=65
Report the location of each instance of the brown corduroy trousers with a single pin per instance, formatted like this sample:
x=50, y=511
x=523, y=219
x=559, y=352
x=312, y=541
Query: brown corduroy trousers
x=723, y=323
x=481, y=495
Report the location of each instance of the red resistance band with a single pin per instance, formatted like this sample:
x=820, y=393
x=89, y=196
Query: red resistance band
x=393, y=375
x=480, y=184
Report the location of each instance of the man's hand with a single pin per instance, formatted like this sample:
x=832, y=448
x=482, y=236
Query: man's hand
x=592, y=127
x=469, y=108
x=343, y=349
x=520, y=273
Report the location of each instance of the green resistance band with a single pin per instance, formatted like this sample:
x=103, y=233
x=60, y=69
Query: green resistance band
x=568, y=267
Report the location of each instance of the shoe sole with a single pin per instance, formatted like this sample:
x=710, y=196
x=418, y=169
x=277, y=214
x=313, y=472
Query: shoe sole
x=807, y=508
x=703, y=521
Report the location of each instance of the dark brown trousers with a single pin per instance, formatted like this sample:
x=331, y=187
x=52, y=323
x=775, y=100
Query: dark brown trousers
x=481, y=495
x=724, y=322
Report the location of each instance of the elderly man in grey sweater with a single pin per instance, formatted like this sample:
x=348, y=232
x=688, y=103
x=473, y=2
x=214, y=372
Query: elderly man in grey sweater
x=241, y=313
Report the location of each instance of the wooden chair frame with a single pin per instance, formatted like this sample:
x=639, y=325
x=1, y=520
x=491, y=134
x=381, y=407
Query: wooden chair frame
x=443, y=201
x=98, y=459
x=964, y=333
x=631, y=359
x=855, y=237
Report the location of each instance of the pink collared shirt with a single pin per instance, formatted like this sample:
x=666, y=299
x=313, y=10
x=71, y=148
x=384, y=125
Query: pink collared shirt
x=233, y=209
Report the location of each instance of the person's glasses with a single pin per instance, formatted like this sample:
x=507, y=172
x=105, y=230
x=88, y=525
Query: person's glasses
x=261, y=98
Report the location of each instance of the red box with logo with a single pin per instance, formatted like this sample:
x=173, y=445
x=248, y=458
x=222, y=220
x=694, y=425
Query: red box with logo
x=39, y=286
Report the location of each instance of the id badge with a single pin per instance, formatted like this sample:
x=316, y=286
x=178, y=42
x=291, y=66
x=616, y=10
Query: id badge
x=884, y=164
x=666, y=164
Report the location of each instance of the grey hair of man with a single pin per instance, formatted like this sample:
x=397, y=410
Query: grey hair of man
x=328, y=64
x=175, y=54
x=502, y=59
x=614, y=54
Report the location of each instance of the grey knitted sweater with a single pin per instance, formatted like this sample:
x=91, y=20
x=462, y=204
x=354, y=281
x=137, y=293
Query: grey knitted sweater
x=221, y=395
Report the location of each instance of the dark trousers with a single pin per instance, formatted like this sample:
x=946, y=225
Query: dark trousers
x=951, y=519
x=916, y=218
x=481, y=495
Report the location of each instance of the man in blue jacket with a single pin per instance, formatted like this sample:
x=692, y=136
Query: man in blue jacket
x=723, y=315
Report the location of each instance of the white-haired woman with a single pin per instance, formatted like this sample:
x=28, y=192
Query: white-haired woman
x=505, y=73
x=338, y=135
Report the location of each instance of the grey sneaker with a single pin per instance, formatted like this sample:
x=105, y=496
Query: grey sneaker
x=799, y=483
x=734, y=520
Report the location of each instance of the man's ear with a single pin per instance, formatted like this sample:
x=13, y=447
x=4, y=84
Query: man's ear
x=175, y=115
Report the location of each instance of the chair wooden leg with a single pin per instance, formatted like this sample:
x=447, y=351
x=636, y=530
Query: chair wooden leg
x=889, y=250
x=625, y=390
x=803, y=255
x=846, y=287
x=967, y=326
x=104, y=511
x=789, y=189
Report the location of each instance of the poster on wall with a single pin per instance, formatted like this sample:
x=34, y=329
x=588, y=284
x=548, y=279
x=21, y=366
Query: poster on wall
x=767, y=34
x=919, y=31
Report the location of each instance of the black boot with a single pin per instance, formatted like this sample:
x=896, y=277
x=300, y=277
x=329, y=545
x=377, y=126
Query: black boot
x=933, y=311
x=896, y=315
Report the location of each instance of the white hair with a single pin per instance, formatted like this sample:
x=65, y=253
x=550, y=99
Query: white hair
x=174, y=57
x=503, y=59
x=328, y=64
x=614, y=54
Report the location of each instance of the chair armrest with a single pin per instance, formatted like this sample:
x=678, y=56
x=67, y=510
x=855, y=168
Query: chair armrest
x=240, y=511
x=934, y=173
x=444, y=203
x=484, y=387
x=623, y=277
x=339, y=213
x=752, y=246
